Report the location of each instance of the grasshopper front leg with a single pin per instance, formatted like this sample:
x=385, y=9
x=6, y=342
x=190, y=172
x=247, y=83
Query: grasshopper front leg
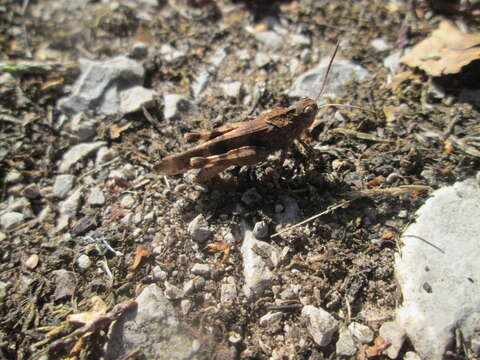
x=212, y=165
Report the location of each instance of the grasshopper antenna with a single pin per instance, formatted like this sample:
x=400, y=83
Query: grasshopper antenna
x=324, y=83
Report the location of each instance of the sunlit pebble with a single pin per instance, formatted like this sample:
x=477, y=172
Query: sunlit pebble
x=32, y=261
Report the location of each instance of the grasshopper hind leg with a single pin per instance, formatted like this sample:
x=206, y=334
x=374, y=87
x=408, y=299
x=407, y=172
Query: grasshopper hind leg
x=212, y=165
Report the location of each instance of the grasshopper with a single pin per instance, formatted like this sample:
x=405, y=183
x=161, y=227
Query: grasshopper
x=245, y=142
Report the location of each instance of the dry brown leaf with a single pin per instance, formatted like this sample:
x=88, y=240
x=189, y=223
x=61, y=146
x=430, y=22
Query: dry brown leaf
x=140, y=253
x=403, y=76
x=388, y=235
x=220, y=246
x=116, y=130
x=448, y=147
x=446, y=51
x=376, y=349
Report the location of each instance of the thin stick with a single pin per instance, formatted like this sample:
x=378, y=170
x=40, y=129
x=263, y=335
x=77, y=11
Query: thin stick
x=329, y=209
x=328, y=71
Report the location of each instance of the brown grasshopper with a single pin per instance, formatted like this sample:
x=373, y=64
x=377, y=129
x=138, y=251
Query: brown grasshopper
x=244, y=142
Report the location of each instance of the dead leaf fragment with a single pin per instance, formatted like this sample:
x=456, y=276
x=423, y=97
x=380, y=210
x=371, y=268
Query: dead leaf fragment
x=99, y=308
x=140, y=253
x=376, y=349
x=448, y=147
x=220, y=246
x=116, y=130
x=446, y=51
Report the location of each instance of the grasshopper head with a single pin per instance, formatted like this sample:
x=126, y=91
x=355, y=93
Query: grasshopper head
x=306, y=109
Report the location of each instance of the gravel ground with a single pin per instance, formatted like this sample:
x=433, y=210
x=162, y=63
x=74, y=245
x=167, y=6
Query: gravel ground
x=84, y=215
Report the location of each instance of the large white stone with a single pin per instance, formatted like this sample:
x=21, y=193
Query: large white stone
x=438, y=271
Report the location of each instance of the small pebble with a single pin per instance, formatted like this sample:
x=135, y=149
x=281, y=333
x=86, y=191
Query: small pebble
x=11, y=219
x=189, y=287
x=127, y=201
x=251, y=196
x=13, y=177
x=260, y=230
x=3, y=290
x=201, y=269
x=362, y=332
x=172, y=292
x=96, y=197
x=185, y=305
x=159, y=274
x=228, y=292
x=199, y=229
x=234, y=338
x=63, y=185
x=84, y=262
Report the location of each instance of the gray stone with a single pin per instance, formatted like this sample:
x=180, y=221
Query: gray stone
x=153, y=327
x=78, y=153
x=260, y=230
x=232, y=89
x=394, y=334
x=11, y=219
x=65, y=283
x=436, y=268
x=270, y=39
x=186, y=305
x=228, y=291
x=173, y=292
x=135, y=98
x=345, y=345
x=139, y=50
x=176, y=106
x=82, y=128
x=251, y=196
x=199, y=229
x=104, y=155
x=320, y=324
x=392, y=61
x=127, y=202
x=310, y=83
x=96, y=197
x=270, y=318
x=128, y=172
x=159, y=274
x=63, y=185
x=300, y=40
x=291, y=213
x=201, y=269
x=200, y=83
x=70, y=206
x=262, y=59
x=380, y=44
x=97, y=90
x=361, y=332
x=13, y=177
x=243, y=55
x=84, y=262
x=169, y=53
x=188, y=287
x=256, y=270
x=217, y=58
x=410, y=355
x=7, y=82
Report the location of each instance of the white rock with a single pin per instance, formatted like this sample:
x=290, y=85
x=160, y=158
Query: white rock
x=320, y=324
x=186, y=305
x=82, y=128
x=270, y=39
x=153, y=327
x=199, y=229
x=361, y=332
x=410, y=355
x=342, y=71
x=127, y=202
x=228, y=291
x=392, y=61
x=188, y=287
x=201, y=269
x=11, y=219
x=256, y=271
x=345, y=345
x=70, y=206
x=169, y=53
x=380, y=44
x=217, y=58
x=232, y=89
x=84, y=262
x=159, y=274
x=135, y=98
x=78, y=153
x=173, y=292
x=200, y=84
x=270, y=318
x=243, y=55
x=262, y=59
x=96, y=197
x=234, y=338
x=394, y=334
x=299, y=39
x=13, y=177
x=260, y=230
x=63, y=185
x=437, y=267
x=104, y=154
